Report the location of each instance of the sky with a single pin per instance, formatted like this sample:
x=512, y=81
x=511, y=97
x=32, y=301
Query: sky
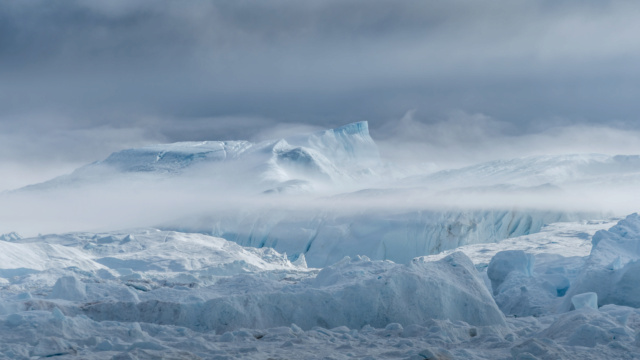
x=449, y=82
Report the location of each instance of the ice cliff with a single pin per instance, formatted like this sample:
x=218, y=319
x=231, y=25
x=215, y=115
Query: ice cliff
x=325, y=237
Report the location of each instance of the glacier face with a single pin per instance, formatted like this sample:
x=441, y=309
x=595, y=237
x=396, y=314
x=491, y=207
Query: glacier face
x=325, y=237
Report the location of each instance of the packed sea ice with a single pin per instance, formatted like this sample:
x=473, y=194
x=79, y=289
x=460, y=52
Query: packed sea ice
x=148, y=293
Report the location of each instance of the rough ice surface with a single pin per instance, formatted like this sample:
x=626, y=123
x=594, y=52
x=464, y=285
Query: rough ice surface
x=147, y=294
x=589, y=300
x=69, y=288
x=352, y=293
x=612, y=269
x=506, y=262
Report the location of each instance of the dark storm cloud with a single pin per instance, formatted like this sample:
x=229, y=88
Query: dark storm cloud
x=89, y=77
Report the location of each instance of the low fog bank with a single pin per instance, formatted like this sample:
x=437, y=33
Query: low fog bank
x=177, y=203
x=390, y=224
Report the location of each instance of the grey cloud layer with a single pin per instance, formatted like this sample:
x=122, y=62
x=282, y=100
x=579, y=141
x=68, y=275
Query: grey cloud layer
x=175, y=70
x=323, y=60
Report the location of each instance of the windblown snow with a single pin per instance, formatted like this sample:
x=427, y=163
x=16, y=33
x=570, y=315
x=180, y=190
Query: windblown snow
x=314, y=247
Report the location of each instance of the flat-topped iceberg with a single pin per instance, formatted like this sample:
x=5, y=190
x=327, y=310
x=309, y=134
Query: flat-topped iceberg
x=326, y=157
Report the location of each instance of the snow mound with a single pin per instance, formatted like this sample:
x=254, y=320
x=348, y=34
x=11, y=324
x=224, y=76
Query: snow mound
x=588, y=327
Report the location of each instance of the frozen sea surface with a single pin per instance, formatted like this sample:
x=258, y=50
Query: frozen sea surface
x=145, y=294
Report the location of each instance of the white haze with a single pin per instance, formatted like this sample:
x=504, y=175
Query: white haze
x=411, y=141
x=34, y=154
x=125, y=206
x=230, y=189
